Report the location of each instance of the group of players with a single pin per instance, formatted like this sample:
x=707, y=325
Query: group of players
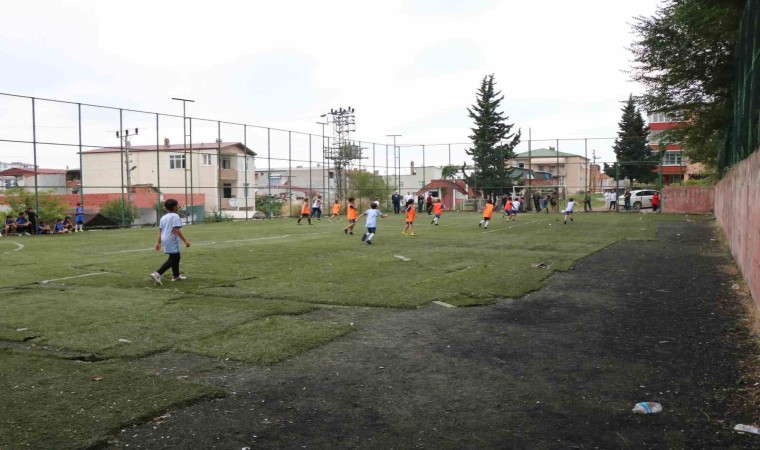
x=27, y=223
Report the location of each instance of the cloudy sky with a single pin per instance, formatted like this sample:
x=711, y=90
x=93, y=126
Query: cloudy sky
x=408, y=67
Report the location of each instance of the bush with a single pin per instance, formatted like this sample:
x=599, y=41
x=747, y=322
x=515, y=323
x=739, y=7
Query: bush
x=113, y=211
x=217, y=216
x=271, y=206
x=50, y=205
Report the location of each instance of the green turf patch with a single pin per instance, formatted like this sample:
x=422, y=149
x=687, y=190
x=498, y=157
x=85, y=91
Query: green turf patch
x=266, y=341
x=54, y=403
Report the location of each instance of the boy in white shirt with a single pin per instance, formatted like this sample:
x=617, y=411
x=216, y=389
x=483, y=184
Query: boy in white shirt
x=568, y=211
x=169, y=235
x=372, y=214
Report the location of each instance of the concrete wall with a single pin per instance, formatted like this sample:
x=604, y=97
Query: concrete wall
x=738, y=212
x=688, y=199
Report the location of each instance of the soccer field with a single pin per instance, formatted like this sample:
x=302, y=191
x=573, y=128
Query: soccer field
x=88, y=297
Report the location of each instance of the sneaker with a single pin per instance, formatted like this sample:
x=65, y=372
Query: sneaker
x=412, y=234
x=351, y=233
x=364, y=237
x=432, y=222
x=480, y=224
x=369, y=242
x=179, y=278
x=345, y=230
x=156, y=277
x=404, y=233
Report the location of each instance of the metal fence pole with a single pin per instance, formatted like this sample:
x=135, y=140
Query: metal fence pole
x=81, y=165
x=34, y=148
x=121, y=164
x=158, y=172
x=246, y=187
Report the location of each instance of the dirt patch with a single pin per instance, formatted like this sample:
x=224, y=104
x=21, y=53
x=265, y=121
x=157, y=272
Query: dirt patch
x=559, y=368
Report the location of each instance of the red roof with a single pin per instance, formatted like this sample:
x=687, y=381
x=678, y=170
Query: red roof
x=18, y=172
x=93, y=202
x=173, y=148
x=442, y=183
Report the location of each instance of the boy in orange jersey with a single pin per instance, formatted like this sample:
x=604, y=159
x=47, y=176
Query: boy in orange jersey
x=410, y=215
x=487, y=213
x=305, y=212
x=335, y=212
x=507, y=208
x=437, y=211
x=351, y=215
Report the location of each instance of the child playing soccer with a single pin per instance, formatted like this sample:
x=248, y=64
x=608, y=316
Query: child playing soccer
x=79, y=218
x=508, y=209
x=372, y=214
x=410, y=215
x=568, y=211
x=305, y=212
x=335, y=212
x=169, y=235
x=487, y=213
x=437, y=211
x=351, y=215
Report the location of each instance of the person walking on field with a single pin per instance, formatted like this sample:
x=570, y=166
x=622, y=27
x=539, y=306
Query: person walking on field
x=487, y=213
x=316, y=207
x=305, y=212
x=372, y=215
x=410, y=215
x=169, y=236
x=568, y=211
x=351, y=215
x=437, y=211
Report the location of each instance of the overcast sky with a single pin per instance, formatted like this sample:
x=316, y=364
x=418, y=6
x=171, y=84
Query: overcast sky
x=407, y=67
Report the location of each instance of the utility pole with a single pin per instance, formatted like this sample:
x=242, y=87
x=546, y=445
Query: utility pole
x=124, y=134
x=184, y=147
x=325, y=180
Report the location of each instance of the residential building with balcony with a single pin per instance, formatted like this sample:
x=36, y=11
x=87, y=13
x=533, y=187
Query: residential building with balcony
x=676, y=167
x=567, y=169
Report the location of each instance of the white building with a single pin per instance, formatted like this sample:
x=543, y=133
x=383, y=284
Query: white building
x=222, y=171
x=46, y=179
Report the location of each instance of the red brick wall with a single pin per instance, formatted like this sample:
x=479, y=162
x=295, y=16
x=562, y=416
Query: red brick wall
x=737, y=208
x=688, y=199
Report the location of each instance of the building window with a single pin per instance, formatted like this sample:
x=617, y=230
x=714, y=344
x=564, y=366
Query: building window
x=331, y=175
x=660, y=118
x=561, y=181
x=521, y=165
x=227, y=190
x=672, y=158
x=226, y=162
x=540, y=168
x=176, y=161
x=208, y=159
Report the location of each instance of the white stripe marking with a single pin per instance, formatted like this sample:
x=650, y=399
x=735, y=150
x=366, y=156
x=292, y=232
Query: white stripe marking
x=75, y=276
x=18, y=247
x=437, y=302
x=402, y=258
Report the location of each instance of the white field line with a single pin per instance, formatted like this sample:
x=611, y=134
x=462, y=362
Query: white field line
x=284, y=236
x=402, y=258
x=75, y=276
x=511, y=226
x=440, y=303
x=18, y=247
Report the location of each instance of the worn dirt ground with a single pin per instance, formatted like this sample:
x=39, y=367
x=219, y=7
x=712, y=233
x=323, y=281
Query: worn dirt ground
x=559, y=368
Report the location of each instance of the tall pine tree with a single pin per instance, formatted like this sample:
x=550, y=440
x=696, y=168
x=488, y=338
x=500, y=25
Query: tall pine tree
x=492, y=140
x=631, y=146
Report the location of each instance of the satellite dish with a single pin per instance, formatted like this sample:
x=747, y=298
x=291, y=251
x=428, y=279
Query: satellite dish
x=233, y=202
x=21, y=182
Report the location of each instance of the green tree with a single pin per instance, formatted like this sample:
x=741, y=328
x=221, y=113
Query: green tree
x=684, y=57
x=113, y=211
x=368, y=185
x=632, y=145
x=50, y=205
x=450, y=172
x=493, y=142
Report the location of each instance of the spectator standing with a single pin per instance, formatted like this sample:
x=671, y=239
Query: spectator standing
x=627, y=199
x=586, y=202
x=420, y=203
x=613, y=200
x=79, y=218
x=655, y=201
x=429, y=204
x=396, y=200
x=537, y=201
x=545, y=203
x=32, y=215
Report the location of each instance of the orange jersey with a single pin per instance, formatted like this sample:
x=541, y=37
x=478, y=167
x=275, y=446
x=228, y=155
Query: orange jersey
x=336, y=209
x=351, y=213
x=437, y=208
x=410, y=213
x=508, y=205
x=488, y=210
x=305, y=209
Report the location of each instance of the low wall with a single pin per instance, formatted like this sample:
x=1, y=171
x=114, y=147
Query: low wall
x=688, y=199
x=737, y=208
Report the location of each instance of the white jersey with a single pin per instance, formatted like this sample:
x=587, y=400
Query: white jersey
x=569, y=207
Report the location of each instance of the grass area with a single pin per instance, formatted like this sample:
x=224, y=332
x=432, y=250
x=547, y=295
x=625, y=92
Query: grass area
x=248, y=283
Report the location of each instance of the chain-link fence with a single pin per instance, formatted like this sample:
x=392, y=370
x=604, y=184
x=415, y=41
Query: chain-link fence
x=121, y=164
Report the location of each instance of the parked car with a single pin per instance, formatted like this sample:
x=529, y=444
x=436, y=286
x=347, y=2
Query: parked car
x=641, y=198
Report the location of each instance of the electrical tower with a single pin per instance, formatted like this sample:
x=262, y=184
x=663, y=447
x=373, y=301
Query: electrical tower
x=341, y=150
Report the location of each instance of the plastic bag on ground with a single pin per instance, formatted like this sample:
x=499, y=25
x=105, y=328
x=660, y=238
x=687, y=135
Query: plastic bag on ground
x=647, y=408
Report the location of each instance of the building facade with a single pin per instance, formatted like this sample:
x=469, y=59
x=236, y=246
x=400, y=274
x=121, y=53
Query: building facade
x=676, y=167
x=223, y=172
x=567, y=170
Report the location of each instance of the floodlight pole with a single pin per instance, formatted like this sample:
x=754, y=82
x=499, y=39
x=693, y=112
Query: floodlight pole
x=397, y=165
x=325, y=181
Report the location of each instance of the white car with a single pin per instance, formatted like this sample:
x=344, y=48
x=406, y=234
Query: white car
x=641, y=198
